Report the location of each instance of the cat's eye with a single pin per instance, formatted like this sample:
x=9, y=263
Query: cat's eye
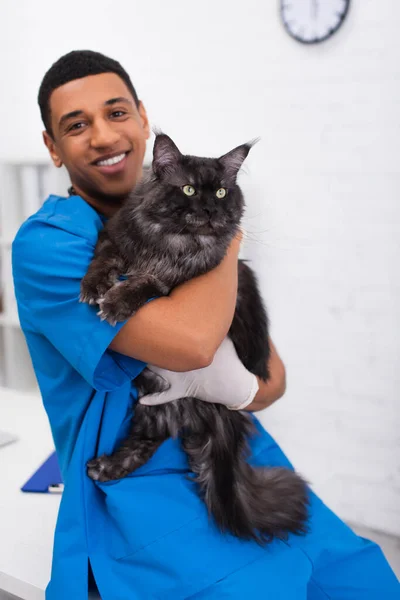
x=188, y=190
x=221, y=193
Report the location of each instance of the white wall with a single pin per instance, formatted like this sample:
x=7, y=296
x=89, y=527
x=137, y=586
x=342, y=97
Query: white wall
x=322, y=186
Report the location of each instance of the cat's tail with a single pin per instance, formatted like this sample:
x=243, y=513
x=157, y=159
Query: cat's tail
x=248, y=502
x=272, y=502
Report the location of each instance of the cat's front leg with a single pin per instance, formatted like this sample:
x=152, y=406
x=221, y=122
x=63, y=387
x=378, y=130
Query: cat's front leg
x=126, y=297
x=101, y=275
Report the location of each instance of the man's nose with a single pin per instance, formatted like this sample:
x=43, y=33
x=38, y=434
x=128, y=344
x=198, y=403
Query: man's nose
x=103, y=135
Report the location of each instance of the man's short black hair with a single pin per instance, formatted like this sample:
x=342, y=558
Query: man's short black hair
x=75, y=65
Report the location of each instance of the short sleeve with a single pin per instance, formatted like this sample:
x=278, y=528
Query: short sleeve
x=48, y=266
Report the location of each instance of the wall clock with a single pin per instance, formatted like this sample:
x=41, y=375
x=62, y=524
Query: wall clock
x=313, y=21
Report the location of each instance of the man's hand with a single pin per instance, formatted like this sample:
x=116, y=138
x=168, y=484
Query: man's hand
x=225, y=381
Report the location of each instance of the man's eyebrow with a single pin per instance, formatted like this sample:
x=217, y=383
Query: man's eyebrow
x=117, y=100
x=70, y=115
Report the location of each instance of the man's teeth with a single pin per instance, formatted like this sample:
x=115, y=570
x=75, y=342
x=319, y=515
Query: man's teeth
x=111, y=161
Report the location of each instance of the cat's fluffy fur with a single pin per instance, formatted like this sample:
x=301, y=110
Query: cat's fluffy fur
x=160, y=238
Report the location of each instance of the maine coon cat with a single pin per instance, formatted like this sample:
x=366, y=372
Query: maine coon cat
x=176, y=225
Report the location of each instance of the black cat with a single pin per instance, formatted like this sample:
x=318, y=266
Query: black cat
x=178, y=224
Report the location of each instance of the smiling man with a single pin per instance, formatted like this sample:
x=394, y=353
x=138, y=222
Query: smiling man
x=148, y=535
x=102, y=142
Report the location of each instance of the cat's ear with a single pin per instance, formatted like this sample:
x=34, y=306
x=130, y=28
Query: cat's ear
x=166, y=155
x=233, y=160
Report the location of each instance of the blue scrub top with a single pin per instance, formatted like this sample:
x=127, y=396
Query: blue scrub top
x=148, y=535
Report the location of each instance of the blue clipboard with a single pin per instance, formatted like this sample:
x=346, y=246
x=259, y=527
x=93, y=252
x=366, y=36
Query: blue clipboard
x=47, y=479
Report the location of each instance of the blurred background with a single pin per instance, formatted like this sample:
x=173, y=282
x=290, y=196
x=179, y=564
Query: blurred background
x=322, y=189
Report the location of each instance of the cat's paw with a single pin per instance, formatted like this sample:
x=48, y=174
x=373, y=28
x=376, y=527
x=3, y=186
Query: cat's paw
x=104, y=469
x=159, y=384
x=88, y=293
x=149, y=382
x=118, y=304
x=111, y=312
x=91, y=291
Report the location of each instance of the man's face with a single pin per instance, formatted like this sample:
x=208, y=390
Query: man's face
x=99, y=135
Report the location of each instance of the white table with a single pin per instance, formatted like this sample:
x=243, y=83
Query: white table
x=27, y=521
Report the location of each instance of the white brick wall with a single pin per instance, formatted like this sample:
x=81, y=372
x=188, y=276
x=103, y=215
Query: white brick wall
x=322, y=188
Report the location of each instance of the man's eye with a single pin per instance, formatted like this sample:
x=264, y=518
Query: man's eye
x=76, y=126
x=118, y=113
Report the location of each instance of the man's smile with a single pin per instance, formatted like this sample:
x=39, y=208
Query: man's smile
x=112, y=163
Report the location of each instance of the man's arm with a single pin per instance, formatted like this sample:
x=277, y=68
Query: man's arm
x=273, y=389
x=182, y=331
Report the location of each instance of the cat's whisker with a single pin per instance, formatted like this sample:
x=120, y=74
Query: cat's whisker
x=248, y=237
x=258, y=231
x=181, y=230
x=266, y=244
x=245, y=217
x=252, y=233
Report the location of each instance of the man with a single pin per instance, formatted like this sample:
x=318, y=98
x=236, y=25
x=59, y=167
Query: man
x=148, y=535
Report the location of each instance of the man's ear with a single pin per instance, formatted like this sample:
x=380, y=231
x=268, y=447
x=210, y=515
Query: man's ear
x=51, y=147
x=145, y=120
